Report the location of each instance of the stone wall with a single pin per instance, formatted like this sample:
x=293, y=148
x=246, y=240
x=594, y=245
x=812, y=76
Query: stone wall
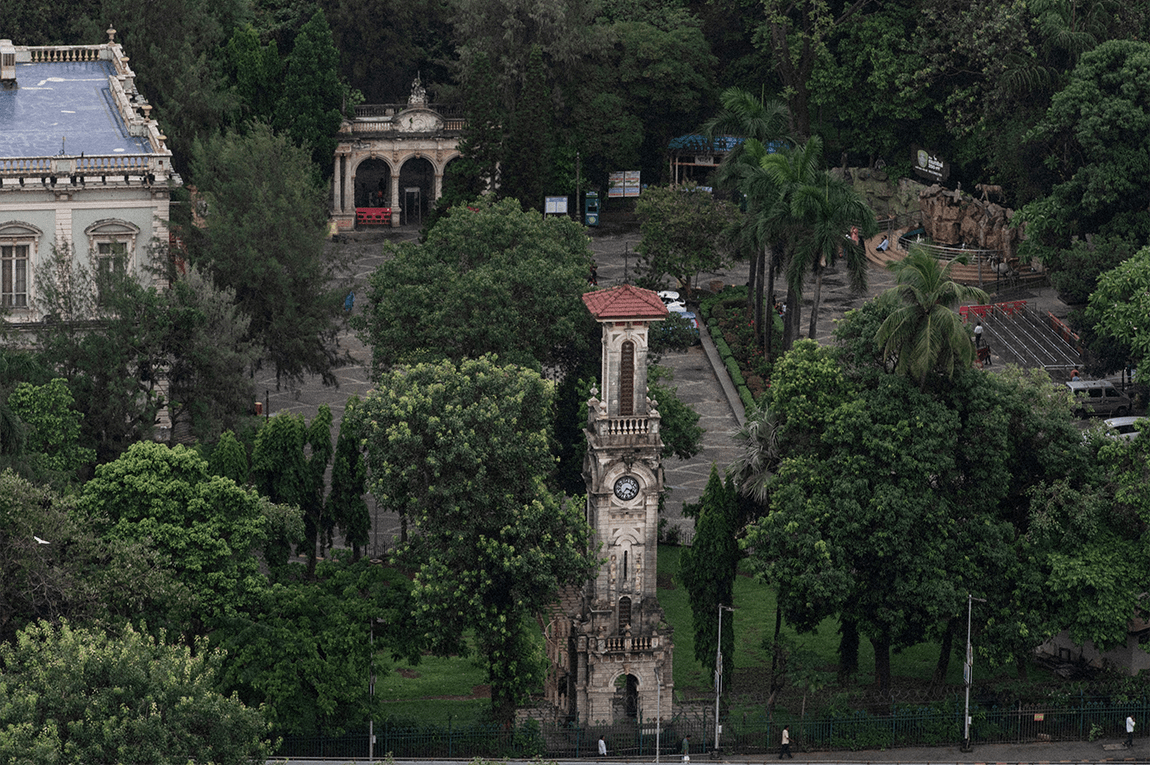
x=954, y=218
x=888, y=199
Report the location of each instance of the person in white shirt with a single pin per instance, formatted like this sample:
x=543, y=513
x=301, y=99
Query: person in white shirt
x=786, y=747
x=602, y=747
x=1130, y=730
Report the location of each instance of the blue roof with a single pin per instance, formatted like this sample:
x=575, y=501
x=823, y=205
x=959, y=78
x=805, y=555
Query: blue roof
x=63, y=108
x=723, y=144
x=695, y=142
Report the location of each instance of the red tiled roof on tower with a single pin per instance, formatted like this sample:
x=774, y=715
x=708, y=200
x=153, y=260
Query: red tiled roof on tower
x=625, y=302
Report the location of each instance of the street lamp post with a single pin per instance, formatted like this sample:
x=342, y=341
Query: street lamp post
x=968, y=674
x=719, y=672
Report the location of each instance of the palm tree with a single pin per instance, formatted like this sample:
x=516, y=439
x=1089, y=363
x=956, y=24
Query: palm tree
x=829, y=212
x=787, y=172
x=760, y=451
x=925, y=333
x=763, y=125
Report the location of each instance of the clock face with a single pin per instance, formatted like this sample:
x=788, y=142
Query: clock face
x=626, y=488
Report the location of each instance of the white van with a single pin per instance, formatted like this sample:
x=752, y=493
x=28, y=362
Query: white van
x=1098, y=397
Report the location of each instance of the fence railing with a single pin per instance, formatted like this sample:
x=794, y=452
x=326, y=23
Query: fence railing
x=934, y=724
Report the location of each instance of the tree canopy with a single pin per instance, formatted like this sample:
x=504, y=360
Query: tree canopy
x=463, y=450
x=73, y=694
x=491, y=278
x=266, y=217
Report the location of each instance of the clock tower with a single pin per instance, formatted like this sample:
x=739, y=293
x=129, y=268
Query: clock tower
x=613, y=647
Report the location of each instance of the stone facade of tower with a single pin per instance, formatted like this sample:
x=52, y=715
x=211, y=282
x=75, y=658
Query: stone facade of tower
x=609, y=644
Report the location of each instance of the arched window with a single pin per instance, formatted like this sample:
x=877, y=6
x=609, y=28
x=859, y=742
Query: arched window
x=624, y=613
x=112, y=243
x=18, y=244
x=627, y=379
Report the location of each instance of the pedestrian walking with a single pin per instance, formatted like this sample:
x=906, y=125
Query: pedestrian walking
x=978, y=335
x=1129, y=730
x=786, y=747
x=687, y=748
x=602, y=747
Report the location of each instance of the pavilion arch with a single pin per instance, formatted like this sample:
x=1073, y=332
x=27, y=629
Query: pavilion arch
x=373, y=182
x=419, y=185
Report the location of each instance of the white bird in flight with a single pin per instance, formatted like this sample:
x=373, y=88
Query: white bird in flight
x=40, y=541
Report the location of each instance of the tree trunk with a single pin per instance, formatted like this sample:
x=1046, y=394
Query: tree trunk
x=793, y=318
x=818, y=296
x=1021, y=662
x=757, y=292
x=752, y=281
x=769, y=264
x=882, y=663
x=944, y=652
x=848, y=649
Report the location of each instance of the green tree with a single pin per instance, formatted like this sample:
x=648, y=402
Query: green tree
x=54, y=565
x=78, y=695
x=317, y=527
x=835, y=221
x=1099, y=127
x=795, y=34
x=480, y=141
x=925, y=334
x=1119, y=305
x=264, y=240
x=404, y=39
x=491, y=278
x=113, y=374
x=313, y=97
x=207, y=357
x=762, y=125
x=207, y=529
x=305, y=655
x=53, y=424
x=708, y=570
x=279, y=472
x=681, y=229
x=463, y=451
x=255, y=71
x=527, y=162
x=346, y=507
x=229, y=459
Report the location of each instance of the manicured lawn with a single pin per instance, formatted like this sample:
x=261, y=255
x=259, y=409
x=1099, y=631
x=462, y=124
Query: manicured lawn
x=424, y=690
x=755, y=622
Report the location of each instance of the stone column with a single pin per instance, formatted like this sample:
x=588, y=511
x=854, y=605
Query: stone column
x=438, y=185
x=336, y=181
x=396, y=202
x=348, y=184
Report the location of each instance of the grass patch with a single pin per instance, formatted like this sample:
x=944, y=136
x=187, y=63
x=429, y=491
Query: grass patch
x=433, y=676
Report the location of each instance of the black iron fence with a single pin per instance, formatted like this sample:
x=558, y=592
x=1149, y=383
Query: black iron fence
x=747, y=732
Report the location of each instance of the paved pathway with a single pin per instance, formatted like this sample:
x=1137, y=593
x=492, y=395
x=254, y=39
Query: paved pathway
x=694, y=375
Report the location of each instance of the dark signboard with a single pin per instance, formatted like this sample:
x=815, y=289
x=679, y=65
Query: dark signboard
x=929, y=166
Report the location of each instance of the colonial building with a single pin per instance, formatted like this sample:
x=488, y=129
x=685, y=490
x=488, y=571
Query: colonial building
x=611, y=647
x=390, y=161
x=82, y=165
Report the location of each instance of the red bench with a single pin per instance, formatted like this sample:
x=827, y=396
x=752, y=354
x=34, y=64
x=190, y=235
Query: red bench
x=373, y=216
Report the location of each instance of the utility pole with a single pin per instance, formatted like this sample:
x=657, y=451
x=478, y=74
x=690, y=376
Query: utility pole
x=967, y=674
x=719, y=672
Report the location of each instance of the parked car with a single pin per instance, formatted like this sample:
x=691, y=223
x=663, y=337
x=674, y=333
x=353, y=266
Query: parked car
x=1123, y=427
x=1098, y=397
x=672, y=300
